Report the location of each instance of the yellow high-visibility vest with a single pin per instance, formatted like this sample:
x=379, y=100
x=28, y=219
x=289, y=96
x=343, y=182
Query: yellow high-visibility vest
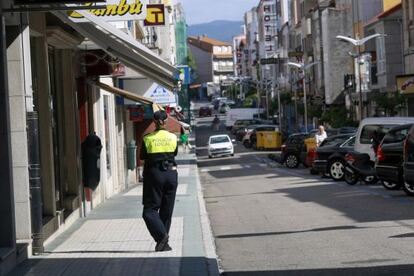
x=160, y=141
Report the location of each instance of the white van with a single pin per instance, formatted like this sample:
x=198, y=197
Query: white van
x=367, y=127
x=241, y=113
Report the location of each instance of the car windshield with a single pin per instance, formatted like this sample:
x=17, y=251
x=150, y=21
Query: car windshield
x=334, y=141
x=349, y=143
x=369, y=131
x=220, y=139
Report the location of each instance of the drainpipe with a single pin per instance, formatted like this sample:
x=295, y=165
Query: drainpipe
x=32, y=123
x=36, y=205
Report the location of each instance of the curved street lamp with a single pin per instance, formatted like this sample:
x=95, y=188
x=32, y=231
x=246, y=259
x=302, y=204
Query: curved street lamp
x=304, y=67
x=358, y=43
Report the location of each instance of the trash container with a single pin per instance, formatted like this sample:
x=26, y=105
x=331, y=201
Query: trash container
x=310, y=143
x=132, y=155
x=260, y=140
x=269, y=140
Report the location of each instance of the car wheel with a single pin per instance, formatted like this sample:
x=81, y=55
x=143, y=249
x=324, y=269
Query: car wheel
x=336, y=170
x=292, y=161
x=350, y=177
x=408, y=189
x=371, y=180
x=390, y=185
x=246, y=144
x=210, y=156
x=232, y=154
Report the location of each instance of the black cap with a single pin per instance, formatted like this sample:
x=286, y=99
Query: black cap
x=160, y=115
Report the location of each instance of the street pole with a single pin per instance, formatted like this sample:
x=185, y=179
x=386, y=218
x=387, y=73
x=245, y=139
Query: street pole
x=361, y=108
x=305, y=102
x=267, y=102
x=279, y=107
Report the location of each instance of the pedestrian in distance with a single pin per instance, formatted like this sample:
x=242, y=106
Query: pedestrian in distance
x=216, y=123
x=320, y=136
x=184, y=139
x=158, y=151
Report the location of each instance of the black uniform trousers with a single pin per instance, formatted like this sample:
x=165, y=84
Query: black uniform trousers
x=159, y=191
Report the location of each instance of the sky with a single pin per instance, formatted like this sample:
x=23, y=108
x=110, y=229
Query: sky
x=203, y=11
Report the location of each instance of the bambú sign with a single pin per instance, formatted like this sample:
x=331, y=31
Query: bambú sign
x=117, y=10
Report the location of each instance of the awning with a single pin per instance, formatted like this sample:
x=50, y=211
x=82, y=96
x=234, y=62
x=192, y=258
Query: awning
x=124, y=47
x=126, y=94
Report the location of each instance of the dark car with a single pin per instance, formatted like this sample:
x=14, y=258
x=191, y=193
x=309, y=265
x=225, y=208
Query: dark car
x=294, y=151
x=409, y=163
x=341, y=130
x=330, y=155
x=204, y=111
x=389, y=161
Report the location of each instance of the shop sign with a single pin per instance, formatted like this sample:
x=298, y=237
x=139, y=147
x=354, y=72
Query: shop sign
x=155, y=15
x=405, y=84
x=116, y=10
x=62, y=2
x=136, y=114
x=269, y=61
x=269, y=25
x=185, y=75
x=160, y=95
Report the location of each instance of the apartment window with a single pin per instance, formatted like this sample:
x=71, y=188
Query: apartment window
x=217, y=49
x=215, y=65
x=224, y=49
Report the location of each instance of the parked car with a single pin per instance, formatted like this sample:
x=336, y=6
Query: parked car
x=243, y=123
x=220, y=145
x=341, y=130
x=371, y=127
x=389, y=161
x=250, y=138
x=330, y=155
x=241, y=132
x=224, y=108
x=204, y=111
x=408, y=167
x=293, y=151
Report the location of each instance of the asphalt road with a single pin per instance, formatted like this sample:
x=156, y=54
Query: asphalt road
x=269, y=220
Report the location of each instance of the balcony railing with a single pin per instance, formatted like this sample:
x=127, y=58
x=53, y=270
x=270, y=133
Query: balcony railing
x=223, y=68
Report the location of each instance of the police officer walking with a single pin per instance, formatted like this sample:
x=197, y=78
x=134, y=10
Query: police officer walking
x=158, y=150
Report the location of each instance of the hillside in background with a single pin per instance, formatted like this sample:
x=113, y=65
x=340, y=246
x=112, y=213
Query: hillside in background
x=222, y=30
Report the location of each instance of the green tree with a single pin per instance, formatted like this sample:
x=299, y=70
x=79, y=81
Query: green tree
x=390, y=103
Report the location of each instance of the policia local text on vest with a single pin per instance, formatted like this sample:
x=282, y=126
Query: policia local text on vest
x=158, y=151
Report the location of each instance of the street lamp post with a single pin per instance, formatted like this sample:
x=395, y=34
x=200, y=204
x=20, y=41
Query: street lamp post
x=304, y=68
x=358, y=43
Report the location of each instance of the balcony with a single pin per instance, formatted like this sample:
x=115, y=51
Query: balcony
x=223, y=68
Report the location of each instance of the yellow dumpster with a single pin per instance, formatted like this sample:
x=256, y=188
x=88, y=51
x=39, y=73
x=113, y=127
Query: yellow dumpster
x=310, y=143
x=269, y=140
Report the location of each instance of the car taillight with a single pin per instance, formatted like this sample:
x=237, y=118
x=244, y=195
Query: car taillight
x=312, y=153
x=349, y=158
x=380, y=154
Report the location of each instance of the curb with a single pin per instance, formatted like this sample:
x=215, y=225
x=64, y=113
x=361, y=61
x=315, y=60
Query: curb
x=208, y=239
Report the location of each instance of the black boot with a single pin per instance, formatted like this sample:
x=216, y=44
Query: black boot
x=163, y=245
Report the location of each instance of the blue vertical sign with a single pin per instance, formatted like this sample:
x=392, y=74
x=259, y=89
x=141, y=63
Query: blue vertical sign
x=185, y=74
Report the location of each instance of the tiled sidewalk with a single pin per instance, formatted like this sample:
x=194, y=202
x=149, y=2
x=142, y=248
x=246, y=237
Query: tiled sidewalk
x=113, y=239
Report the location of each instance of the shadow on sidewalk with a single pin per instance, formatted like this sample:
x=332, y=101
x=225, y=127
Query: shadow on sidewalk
x=355, y=271
x=115, y=266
